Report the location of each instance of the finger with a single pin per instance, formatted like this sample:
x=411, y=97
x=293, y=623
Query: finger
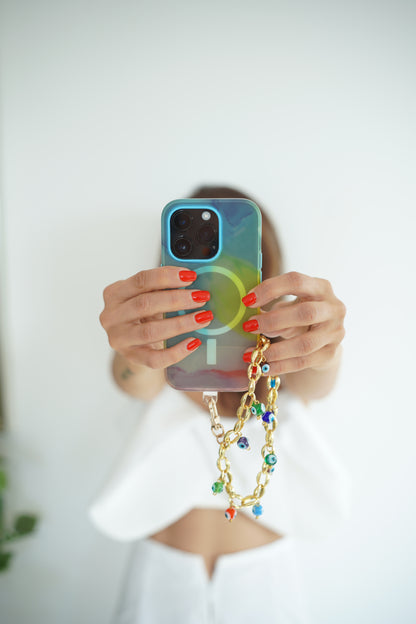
x=129, y=335
x=152, y=303
x=292, y=283
x=161, y=358
x=146, y=281
x=300, y=314
x=305, y=344
x=292, y=365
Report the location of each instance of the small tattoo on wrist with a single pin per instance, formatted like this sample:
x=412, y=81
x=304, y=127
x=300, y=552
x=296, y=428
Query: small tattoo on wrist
x=126, y=373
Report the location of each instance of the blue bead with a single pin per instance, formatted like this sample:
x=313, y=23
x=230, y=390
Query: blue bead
x=258, y=510
x=243, y=443
x=272, y=383
x=268, y=417
x=265, y=368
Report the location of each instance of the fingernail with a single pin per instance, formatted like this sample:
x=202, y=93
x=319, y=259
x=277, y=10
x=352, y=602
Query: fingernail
x=194, y=344
x=247, y=356
x=203, y=317
x=249, y=299
x=200, y=295
x=249, y=326
x=187, y=276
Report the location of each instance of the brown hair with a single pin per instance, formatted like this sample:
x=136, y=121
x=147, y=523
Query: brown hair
x=272, y=254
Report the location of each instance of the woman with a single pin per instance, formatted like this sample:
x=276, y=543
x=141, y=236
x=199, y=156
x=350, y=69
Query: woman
x=305, y=352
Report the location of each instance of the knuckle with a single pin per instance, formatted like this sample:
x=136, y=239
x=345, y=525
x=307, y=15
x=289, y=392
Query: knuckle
x=143, y=304
x=103, y=318
x=306, y=345
x=301, y=362
x=331, y=350
x=307, y=313
x=327, y=285
x=146, y=333
x=108, y=292
x=140, y=280
x=343, y=309
x=296, y=279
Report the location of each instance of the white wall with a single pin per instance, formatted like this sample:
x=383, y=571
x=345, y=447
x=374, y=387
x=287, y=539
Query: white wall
x=108, y=111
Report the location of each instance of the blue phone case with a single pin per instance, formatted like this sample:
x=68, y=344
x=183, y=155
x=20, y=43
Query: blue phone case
x=236, y=268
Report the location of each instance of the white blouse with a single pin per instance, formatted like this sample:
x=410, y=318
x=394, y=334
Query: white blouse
x=169, y=466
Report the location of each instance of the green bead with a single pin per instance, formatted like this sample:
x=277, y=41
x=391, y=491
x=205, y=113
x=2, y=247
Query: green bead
x=270, y=459
x=257, y=409
x=217, y=487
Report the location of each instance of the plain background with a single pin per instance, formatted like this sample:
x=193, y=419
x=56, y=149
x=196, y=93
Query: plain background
x=108, y=111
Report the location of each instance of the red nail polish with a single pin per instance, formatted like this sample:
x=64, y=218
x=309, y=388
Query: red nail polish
x=187, y=276
x=249, y=299
x=194, y=344
x=203, y=317
x=247, y=356
x=249, y=326
x=200, y=295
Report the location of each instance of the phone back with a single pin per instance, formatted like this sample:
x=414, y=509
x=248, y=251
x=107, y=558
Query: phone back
x=233, y=268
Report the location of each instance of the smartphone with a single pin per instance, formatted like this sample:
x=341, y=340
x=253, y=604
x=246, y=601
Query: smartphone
x=219, y=239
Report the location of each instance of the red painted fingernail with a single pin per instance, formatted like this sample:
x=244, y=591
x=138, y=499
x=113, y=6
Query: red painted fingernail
x=201, y=295
x=203, y=317
x=249, y=299
x=187, y=276
x=247, y=356
x=194, y=344
x=249, y=326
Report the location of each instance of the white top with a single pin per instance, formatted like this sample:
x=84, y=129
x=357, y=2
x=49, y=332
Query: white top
x=169, y=466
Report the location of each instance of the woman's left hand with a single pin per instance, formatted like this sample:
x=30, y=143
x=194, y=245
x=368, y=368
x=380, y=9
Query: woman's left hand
x=311, y=327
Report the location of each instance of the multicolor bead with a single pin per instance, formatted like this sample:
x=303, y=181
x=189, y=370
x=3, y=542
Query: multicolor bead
x=268, y=417
x=270, y=459
x=257, y=409
x=271, y=469
x=243, y=443
x=257, y=510
x=230, y=513
x=217, y=487
x=265, y=368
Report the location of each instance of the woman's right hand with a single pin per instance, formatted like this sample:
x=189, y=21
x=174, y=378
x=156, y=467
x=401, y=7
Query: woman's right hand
x=133, y=315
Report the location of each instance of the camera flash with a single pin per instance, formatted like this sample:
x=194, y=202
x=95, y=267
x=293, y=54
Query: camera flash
x=206, y=216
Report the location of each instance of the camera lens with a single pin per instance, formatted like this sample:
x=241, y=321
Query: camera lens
x=182, y=247
x=182, y=220
x=206, y=234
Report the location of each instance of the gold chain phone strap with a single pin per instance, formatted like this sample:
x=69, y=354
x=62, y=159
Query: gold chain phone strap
x=249, y=406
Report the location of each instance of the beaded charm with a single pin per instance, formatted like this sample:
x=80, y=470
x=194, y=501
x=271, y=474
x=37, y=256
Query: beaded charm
x=268, y=417
x=230, y=513
x=217, y=487
x=243, y=443
x=270, y=459
x=257, y=409
x=265, y=368
x=257, y=510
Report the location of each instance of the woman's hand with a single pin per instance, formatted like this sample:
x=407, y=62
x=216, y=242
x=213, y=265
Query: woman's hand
x=311, y=327
x=133, y=316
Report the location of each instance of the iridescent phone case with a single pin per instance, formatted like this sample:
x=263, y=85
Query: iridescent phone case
x=232, y=270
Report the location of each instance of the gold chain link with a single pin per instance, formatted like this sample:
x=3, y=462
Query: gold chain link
x=226, y=439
